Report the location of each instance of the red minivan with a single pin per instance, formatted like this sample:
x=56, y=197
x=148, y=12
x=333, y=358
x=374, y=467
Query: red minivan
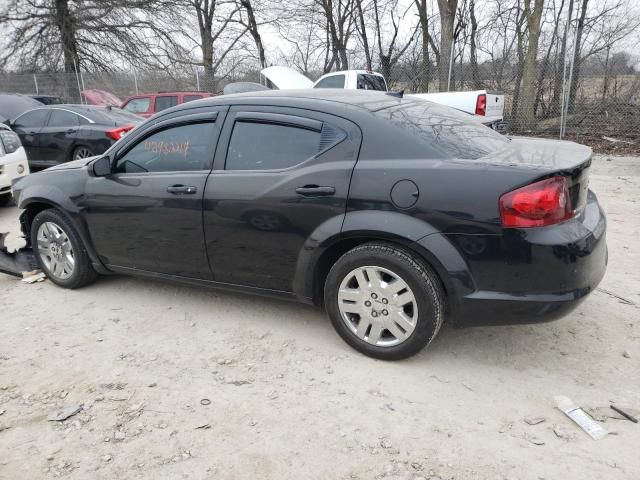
x=148, y=104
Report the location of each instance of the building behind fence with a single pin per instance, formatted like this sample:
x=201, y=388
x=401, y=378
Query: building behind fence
x=606, y=109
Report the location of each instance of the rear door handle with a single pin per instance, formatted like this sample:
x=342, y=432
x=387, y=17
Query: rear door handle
x=182, y=189
x=315, y=191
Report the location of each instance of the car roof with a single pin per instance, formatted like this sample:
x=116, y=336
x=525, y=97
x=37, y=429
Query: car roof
x=365, y=99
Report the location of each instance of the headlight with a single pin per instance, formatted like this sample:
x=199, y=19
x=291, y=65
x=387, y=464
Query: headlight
x=10, y=141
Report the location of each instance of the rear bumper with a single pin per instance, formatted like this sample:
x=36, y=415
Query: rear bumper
x=532, y=275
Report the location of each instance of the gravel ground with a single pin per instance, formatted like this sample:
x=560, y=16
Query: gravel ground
x=182, y=382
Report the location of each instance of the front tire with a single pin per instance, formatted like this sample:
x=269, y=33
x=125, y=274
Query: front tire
x=59, y=250
x=383, y=301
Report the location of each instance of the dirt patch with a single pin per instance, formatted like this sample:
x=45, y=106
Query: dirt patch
x=178, y=382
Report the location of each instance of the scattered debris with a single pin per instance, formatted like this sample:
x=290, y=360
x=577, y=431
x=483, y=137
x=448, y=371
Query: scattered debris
x=119, y=435
x=626, y=301
x=531, y=420
x=624, y=414
x=239, y=383
x=384, y=443
x=113, y=386
x=106, y=458
x=580, y=417
x=18, y=261
x=468, y=387
x=152, y=384
x=2, y=412
x=626, y=354
x=64, y=413
x=533, y=439
x=388, y=406
x=34, y=277
x=205, y=402
x=204, y=426
x=505, y=427
x=560, y=432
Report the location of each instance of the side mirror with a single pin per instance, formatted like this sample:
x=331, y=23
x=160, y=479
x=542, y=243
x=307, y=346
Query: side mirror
x=102, y=167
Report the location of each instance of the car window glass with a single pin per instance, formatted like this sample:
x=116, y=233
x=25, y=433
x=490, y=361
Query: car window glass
x=62, y=118
x=190, y=98
x=371, y=82
x=265, y=146
x=334, y=81
x=32, y=119
x=138, y=105
x=165, y=102
x=183, y=148
x=446, y=132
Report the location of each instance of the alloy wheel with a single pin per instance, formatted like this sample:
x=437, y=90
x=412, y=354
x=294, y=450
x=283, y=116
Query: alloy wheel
x=56, y=252
x=378, y=306
x=82, y=152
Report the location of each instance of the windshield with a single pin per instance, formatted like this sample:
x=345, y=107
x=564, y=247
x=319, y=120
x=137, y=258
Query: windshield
x=371, y=82
x=451, y=133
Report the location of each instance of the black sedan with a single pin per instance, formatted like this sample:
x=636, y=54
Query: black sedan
x=395, y=214
x=60, y=133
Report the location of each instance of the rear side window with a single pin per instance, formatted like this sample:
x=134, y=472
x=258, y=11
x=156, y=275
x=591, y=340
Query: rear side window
x=334, y=81
x=62, y=118
x=177, y=149
x=266, y=146
x=191, y=98
x=165, y=102
x=445, y=132
x=371, y=82
x=32, y=119
x=138, y=105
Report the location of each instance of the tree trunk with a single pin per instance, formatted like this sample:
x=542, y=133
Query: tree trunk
x=526, y=112
x=556, y=102
x=576, y=57
x=546, y=61
x=64, y=22
x=447, y=10
x=421, y=5
x=475, y=72
x=520, y=65
x=363, y=35
x=252, y=25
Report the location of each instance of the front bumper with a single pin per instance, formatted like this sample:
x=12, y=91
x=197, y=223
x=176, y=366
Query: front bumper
x=532, y=275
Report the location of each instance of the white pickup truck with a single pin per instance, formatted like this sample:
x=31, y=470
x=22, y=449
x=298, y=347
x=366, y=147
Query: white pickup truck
x=486, y=106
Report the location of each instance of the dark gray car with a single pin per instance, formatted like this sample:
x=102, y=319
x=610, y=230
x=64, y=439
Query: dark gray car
x=59, y=133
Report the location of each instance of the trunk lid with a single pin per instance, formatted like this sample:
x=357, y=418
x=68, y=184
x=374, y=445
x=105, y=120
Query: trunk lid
x=550, y=157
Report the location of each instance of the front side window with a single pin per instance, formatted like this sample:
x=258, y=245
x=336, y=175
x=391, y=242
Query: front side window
x=334, y=81
x=177, y=149
x=163, y=103
x=138, y=105
x=62, y=118
x=32, y=119
x=267, y=146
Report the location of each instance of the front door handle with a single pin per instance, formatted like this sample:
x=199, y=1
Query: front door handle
x=315, y=191
x=180, y=189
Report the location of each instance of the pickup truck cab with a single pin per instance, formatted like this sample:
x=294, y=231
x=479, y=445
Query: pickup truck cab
x=486, y=106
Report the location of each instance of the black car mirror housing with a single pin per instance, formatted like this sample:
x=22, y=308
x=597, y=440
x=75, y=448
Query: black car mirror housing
x=102, y=167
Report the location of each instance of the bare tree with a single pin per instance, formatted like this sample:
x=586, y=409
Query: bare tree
x=533, y=16
x=447, y=9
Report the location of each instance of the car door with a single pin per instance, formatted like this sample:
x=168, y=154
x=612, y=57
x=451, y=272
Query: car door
x=58, y=136
x=147, y=215
x=139, y=106
x=162, y=102
x=280, y=174
x=28, y=127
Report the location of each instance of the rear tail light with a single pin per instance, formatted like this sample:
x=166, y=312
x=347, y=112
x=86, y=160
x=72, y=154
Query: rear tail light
x=481, y=105
x=119, y=132
x=543, y=203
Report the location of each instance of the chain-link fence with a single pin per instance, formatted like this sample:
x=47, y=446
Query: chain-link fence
x=602, y=109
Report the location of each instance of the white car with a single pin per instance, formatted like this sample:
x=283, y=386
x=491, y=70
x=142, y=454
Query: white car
x=485, y=106
x=13, y=162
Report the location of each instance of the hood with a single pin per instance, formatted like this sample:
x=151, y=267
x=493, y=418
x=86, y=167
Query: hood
x=285, y=78
x=73, y=164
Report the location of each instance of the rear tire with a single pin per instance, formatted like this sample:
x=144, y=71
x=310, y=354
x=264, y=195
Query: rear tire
x=59, y=250
x=383, y=301
x=81, y=152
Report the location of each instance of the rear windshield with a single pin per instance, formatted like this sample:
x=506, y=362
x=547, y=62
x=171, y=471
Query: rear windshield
x=371, y=82
x=446, y=132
